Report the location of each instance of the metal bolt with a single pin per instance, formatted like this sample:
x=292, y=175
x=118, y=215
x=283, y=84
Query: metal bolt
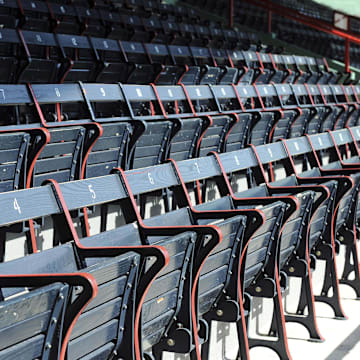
x=219, y=312
x=291, y=269
x=341, y=238
x=258, y=289
x=171, y=342
x=318, y=253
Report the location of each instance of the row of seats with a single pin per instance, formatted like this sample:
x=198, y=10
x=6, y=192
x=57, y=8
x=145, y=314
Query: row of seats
x=328, y=45
x=156, y=283
x=74, y=131
x=195, y=238
x=123, y=24
x=325, y=44
x=43, y=57
x=140, y=126
x=28, y=56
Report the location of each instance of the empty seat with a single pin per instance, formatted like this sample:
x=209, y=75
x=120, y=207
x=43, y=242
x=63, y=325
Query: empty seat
x=213, y=275
x=77, y=57
x=44, y=307
x=214, y=138
x=169, y=296
x=116, y=269
x=285, y=75
x=183, y=56
x=141, y=71
x=18, y=153
x=209, y=72
x=308, y=172
x=184, y=145
x=255, y=261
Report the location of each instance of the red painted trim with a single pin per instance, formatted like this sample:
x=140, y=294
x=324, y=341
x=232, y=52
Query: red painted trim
x=236, y=116
x=211, y=121
x=123, y=51
x=347, y=56
x=188, y=99
x=310, y=96
x=238, y=98
x=340, y=114
x=66, y=338
x=274, y=126
x=335, y=146
x=183, y=74
x=71, y=62
x=246, y=71
x=101, y=130
x=152, y=109
x=147, y=53
x=37, y=106
x=322, y=94
x=259, y=97
x=21, y=36
x=260, y=61
x=230, y=59
x=58, y=112
x=273, y=62
x=326, y=64
x=212, y=57
x=153, y=86
x=158, y=74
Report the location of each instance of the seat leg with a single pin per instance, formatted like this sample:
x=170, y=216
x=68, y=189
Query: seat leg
x=331, y=281
x=30, y=238
x=148, y=356
x=193, y=355
x=197, y=190
x=306, y=301
x=2, y=245
x=243, y=353
x=351, y=253
x=84, y=223
x=103, y=217
x=205, y=348
x=167, y=197
x=142, y=201
x=157, y=354
x=280, y=346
